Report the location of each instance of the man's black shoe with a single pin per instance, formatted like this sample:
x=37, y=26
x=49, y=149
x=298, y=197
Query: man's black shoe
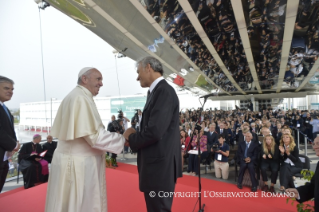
x=254, y=189
x=239, y=186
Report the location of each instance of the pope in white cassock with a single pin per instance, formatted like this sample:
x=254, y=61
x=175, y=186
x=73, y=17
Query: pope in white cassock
x=77, y=177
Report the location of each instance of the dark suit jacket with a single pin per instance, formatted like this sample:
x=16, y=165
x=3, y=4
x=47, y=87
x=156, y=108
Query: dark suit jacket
x=311, y=190
x=294, y=157
x=225, y=133
x=274, y=157
x=252, y=151
x=211, y=139
x=301, y=122
x=51, y=148
x=27, y=149
x=158, y=142
x=8, y=139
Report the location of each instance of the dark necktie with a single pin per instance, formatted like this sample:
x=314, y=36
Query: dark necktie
x=7, y=112
x=221, y=131
x=245, y=155
x=148, y=93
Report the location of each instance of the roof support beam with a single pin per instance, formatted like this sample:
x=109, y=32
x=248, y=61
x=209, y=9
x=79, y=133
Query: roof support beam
x=242, y=28
x=309, y=76
x=291, y=14
x=149, y=18
x=202, y=34
x=100, y=11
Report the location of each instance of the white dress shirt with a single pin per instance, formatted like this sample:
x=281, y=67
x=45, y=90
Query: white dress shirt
x=288, y=160
x=153, y=85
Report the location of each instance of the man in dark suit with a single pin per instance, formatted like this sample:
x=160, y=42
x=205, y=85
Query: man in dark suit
x=212, y=136
x=222, y=131
x=158, y=141
x=311, y=189
x=247, y=157
x=8, y=139
x=50, y=146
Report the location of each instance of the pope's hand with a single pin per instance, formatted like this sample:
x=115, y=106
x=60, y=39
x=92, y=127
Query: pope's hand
x=127, y=143
x=128, y=132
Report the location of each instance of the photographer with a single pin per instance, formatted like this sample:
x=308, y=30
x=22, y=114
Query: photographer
x=136, y=119
x=221, y=158
x=115, y=126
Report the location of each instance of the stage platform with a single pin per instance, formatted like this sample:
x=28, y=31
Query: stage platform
x=123, y=195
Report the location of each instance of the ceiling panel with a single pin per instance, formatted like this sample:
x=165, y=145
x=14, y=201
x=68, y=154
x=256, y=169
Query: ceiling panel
x=233, y=47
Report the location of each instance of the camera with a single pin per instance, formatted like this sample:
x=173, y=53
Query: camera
x=135, y=117
x=198, y=127
x=117, y=126
x=120, y=114
x=215, y=147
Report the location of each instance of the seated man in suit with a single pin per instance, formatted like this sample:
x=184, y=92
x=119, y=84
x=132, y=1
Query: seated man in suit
x=247, y=157
x=50, y=146
x=34, y=170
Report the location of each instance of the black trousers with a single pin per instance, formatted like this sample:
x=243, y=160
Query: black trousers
x=251, y=168
x=3, y=173
x=286, y=173
x=113, y=155
x=193, y=161
x=159, y=202
x=274, y=167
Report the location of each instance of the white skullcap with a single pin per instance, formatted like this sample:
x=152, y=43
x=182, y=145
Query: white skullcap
x=84, y=70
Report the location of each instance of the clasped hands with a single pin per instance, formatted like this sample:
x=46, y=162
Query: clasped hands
x=282, y=150
x=269, y=156
x=247, y=160
x=36, y=159
x=127, y=134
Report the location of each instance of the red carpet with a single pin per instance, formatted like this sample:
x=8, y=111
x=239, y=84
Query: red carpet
x=123, y=195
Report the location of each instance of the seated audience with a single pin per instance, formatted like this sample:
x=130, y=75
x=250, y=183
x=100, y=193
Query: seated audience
x=221, y=159
x=270, y=159
x=34, y=169
x=290, y=163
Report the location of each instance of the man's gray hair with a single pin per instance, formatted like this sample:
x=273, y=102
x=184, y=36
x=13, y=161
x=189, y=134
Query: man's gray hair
x=154, y=63
x=6, y=79
x=85, y=74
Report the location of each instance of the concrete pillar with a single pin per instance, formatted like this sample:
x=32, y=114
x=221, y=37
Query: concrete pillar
x=252, y=99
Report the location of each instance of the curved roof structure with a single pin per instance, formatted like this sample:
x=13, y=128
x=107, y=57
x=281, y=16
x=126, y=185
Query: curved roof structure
x=229, y=48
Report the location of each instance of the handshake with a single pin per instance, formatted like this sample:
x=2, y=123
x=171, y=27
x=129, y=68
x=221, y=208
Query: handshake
x=126, y=135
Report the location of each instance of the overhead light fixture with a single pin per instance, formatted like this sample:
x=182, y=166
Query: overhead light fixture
x=42, y=4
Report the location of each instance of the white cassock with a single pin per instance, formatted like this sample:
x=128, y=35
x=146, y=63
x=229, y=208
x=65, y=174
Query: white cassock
x=77, y=177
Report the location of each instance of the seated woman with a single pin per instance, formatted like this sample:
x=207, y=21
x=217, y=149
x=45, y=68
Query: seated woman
x=221, y=159
x=184, y=141
x=270, y=159
x=193, y=162
x=289, y=160
x=34, y=169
